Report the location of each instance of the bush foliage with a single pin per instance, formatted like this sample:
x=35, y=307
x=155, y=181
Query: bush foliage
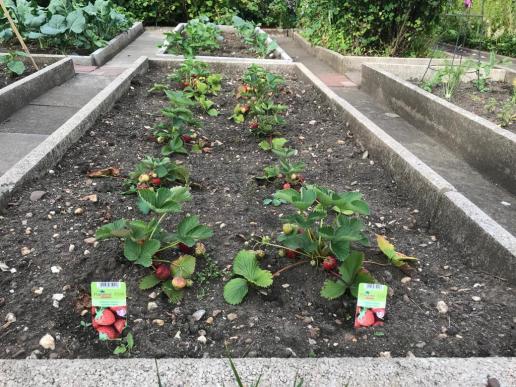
x=371, y=27
x=170, y=12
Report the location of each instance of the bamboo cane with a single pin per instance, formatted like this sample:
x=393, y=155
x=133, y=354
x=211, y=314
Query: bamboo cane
x=20, y=39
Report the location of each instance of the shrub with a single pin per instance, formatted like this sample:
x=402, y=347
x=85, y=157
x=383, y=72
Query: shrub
x=364, y=27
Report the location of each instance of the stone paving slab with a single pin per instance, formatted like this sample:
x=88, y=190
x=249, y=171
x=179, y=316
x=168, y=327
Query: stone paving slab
x=22, y=143
x=327, y=372
x=37, y=119
x=74, y=93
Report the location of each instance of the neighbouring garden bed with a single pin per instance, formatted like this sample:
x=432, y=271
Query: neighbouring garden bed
x=493, y=104
x=7, y=77
x=231, y=46
x=291, y=319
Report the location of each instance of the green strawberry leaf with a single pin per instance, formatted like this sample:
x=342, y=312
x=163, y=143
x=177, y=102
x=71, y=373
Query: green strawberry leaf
x=333, y=289
x=235, y=291
x=174, y=296
x=141, y=253
x=148, y=282
x=246, y=265
x=184, y=266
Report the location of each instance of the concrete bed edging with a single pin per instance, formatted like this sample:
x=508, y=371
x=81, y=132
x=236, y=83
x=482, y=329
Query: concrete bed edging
x=54, y=146
x=115, y=45
x=482, y=143
x=487, y=244
x=331, y=372
x=18, y=94
x=282, y=56
x=103, y=54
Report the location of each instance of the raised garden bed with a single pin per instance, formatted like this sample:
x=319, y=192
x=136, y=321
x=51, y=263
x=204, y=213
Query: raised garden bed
x=224, y=41
x=7, y=77
x=289, y=320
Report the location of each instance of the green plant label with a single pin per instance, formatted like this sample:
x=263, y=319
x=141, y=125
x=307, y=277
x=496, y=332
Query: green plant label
x=106, y=294
x=372, y=295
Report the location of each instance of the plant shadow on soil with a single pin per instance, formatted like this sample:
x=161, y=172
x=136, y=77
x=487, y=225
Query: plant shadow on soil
x=288, y=321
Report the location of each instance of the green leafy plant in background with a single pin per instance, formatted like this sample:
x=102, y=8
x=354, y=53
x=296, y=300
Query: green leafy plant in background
x=449, y=77
x=252, y=36
x=64, y=24
x=13, y=62
x=198, y=35
x=247, y=272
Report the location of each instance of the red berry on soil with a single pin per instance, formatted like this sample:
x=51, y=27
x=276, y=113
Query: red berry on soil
x=163, y=272
x=185, y=249
x=119, y=325
x=109, y=332
x=106, y=318
x=287, y=186
x=329, y=263
x=291, y=254
x=186, y=138
x=156, y=181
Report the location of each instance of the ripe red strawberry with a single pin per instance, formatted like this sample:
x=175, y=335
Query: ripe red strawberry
x=253, y=125
x=156, y=181
x=186, y=84
x=186, y=138
x=287, y=186
x=163, y=272
x=106, y=318
x=109, y=332
x=329, y=263
x=185, y=249
x=120, y=311
x=291, y=254
x=119, y=325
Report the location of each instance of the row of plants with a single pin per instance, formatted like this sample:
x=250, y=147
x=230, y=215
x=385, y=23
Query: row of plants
x=201, y=35
x=324, y=228
x=13, y=63
x=65, y=24
x=450, y=76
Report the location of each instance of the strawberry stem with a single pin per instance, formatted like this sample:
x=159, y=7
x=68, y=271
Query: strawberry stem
x=276, y=274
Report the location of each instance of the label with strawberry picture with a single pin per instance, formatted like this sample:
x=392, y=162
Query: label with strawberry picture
x=371, y=302
x=109, y=309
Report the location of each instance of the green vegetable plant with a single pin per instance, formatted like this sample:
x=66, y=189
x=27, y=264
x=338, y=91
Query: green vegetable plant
x=198, y=83
x=507, y=114
x=198, y=35
x=145, y=241
x=65, y=24
x=285, y=169
x=151, y=173
x=449, y=76
x=247, y=272
x=323, y=231
x=13, y=61
x=126, y=344
x=251, y=35
x=483, y=72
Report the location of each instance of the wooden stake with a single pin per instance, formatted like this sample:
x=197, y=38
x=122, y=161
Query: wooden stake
x=20, y=39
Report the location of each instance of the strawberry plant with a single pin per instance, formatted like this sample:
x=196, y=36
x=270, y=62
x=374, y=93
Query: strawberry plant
x=252, y=36
x=144, y=242
x=198, y=35
x=248, y=273
x=152, y=173
x=323, y=230
x=286, y=169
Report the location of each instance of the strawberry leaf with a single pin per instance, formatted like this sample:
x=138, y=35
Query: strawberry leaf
x=332, y=290
x=141, y=253
x=235, y=291
x=183, y=266
x=190, y=230
x=148, y=282
x=116, y=229
x=246, y=265
x=174, y=296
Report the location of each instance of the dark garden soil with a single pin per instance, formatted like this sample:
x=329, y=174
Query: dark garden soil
x=6, y=78
x=487, y=104
x=232, y=46
x=35, y=48
x=293, y=320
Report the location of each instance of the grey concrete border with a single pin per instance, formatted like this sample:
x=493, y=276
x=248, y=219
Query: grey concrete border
x=330, y=372
x=54, y=146
x=102, y=55
x=20, y=93
x=117, y=44
x=483, y=144
x=281, y=54
x=446, y=208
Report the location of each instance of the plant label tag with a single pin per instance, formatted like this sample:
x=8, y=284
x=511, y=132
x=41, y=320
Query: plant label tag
x=371, y=302
x=109, y=309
